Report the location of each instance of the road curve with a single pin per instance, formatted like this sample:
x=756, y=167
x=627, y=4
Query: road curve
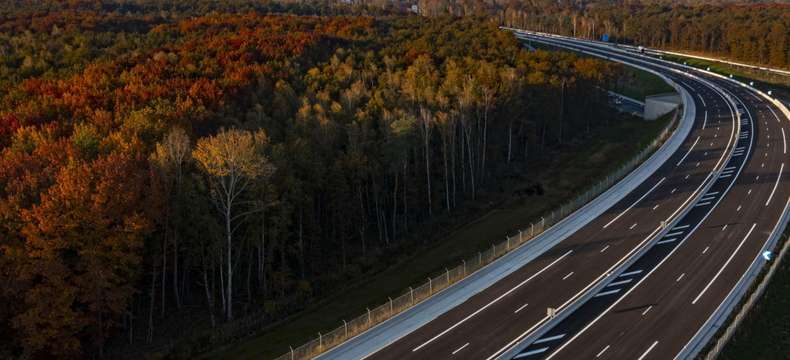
x=493, y=320
x=658, y=306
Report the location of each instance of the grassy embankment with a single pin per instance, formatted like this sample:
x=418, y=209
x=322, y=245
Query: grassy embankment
x=765, y=333
x=634, y=83
x=562, y=174
x=639, y=84
x=779, y=84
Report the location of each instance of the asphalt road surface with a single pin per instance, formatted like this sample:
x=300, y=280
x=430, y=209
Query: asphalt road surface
x=656, y=306
x=641, y=279
x=494, y=320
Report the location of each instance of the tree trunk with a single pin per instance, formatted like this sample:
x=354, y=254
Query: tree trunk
x=228, y=254
x=395, y=207
x=452, y=160
x=262, y=253
x=209, y=301
x=362, y=222
x=471, y=162
x=509, y=141
x=149, y=337
x=164, y=270
x=175, y=270
x=428, y=172
x=249, y=276
x=301, y=241
x=562, y=111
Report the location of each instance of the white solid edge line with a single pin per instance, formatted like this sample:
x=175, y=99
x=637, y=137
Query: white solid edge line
x=781, y=168
x=636, y=202
x=724, y=266
x=701, y=99
x=492, y=302
x=733, y=289
x=654, y=268
x=688, y=152
x=721, y=94
x=518, y=338
x=705, y=121
x=777, y=117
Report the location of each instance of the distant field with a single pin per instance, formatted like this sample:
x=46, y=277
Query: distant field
x=562, y=175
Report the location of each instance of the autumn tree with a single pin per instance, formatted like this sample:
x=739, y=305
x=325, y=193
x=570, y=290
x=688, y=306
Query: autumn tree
x=83, y=245
x=232, y=161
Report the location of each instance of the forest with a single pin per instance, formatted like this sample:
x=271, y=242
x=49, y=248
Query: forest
x=157, y=168
x=751, y=33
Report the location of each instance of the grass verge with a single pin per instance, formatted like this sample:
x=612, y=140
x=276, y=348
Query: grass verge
x=765, y=333
x=778, y=84
x=634, y=83
x=562, y=174
x=639, y=84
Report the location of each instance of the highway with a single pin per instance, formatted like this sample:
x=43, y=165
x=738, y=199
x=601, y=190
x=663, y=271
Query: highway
x=492, y=321
x=686, y=233
x=657, y=306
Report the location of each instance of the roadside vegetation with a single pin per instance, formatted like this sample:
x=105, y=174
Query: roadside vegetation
x=764, y=333
x=241, y=168
x=756, y=33
x=176, y=176
x=779, y=85
x=523, y=196
x=632, y=82
x=639, y=84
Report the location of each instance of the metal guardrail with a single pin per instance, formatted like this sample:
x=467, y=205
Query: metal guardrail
x=570, y=308
x=721, y=315
x=733, y=63
x=728, y=333
x=659, y=51
x=434, y=285
x=728, y=305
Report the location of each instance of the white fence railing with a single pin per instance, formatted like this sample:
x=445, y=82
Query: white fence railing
x=727, y=334
x=415, y=295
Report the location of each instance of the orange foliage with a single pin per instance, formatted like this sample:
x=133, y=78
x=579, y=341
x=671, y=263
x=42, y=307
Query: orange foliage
x=82, y=245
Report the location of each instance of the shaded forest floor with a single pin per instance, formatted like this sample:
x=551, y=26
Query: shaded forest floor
x=562, y=174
